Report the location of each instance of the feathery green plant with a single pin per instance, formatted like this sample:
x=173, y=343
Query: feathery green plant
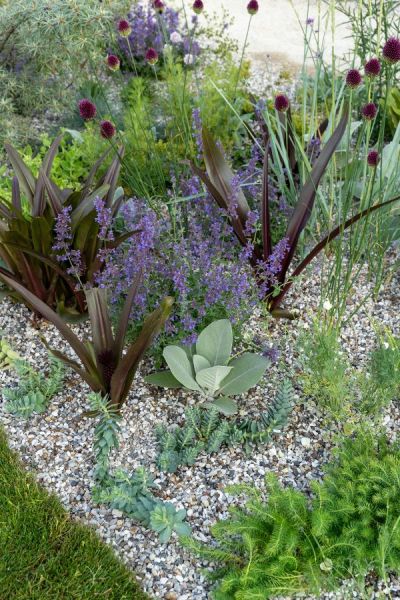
x=289, y=544
x=35, y=389
x=7, y=355
x=130, y=494
x=205, y=430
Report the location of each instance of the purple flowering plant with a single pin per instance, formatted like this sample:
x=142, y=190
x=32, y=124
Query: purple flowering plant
x=56, y=243
x=271, y=263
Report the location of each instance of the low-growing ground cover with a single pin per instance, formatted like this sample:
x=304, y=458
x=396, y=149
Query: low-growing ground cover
x=46, y=555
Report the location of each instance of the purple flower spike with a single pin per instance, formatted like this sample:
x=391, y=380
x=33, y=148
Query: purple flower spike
x=282, y=103
x=107, y=130
x=372, y=68
x=353, y=78
x=151, y=56
x=124, y=28
x=369, y=111
x=113, y=62
x=159, y=6
x=373, y=158
x=252, y=7
x=198, y=6
x=87, y=109
x=391, y=50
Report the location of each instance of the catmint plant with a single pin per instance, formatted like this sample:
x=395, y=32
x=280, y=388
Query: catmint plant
x=208, y=368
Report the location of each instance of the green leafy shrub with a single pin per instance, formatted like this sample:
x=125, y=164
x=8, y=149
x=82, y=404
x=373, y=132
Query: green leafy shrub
x=208, y=368
x=290, y=544
x=34, y=390
x=129, y=493
x=205, y=430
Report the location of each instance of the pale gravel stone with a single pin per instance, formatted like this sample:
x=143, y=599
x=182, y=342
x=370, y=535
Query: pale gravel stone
x=58, y=445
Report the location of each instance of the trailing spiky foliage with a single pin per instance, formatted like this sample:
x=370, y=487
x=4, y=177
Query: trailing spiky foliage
x=130, y=494
x=289, y=544
x=34, y=390
x=206, y=430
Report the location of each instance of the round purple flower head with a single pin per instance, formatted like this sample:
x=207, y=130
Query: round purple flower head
x=107, y=130
x=281, y=103
x=353, y=78
x=113, y=62
x=252, y=7
x=373, y=158
x=391, y=50
x=159, y=6
x=198, y=6
x=87, y=109
x=372, y=68
x=124, y=28
x=369, y=111
x=151, y=56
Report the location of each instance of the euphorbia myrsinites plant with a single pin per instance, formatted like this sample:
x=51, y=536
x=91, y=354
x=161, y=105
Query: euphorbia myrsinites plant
x=271, y=265
x=103, y=365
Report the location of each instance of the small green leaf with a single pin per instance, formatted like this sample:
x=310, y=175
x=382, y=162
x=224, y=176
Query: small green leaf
x=210, y=379
x=180, y=366
x=215, y=342
x=163, y=379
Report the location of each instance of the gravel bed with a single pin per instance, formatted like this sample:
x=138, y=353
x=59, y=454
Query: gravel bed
x=58, y=445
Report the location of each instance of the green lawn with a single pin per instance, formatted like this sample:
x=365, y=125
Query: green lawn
x=46, y=556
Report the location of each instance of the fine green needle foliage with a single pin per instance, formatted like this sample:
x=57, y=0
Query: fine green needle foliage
x=35, y=389
x=207, y=367
x=129, y=493
x=290, y=544
x=44, y=554
x=205, y=430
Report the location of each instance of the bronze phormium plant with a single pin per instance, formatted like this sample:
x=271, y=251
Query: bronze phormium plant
x=103, y=364
x=27, y=233
x=219, y=181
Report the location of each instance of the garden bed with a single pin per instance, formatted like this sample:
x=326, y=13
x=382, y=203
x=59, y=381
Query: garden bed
x=58, y=445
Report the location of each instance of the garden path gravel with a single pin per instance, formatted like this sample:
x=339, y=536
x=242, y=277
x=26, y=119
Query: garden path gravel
x=58, y=445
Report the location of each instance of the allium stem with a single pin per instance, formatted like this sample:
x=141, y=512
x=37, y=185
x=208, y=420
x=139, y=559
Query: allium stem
x=242, y=57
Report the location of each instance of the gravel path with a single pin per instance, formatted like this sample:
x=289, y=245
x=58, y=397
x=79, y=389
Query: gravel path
x=57, y=445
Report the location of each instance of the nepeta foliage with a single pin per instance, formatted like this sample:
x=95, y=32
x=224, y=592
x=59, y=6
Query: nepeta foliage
x=129, y=493
x=208, y=281
x=208, y=368
x=290, y=544
x=206, y=430
x=34, y=389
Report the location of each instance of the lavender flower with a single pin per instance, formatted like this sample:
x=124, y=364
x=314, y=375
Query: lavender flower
x=63, y=242
x=197, y=129
x=104, y=219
